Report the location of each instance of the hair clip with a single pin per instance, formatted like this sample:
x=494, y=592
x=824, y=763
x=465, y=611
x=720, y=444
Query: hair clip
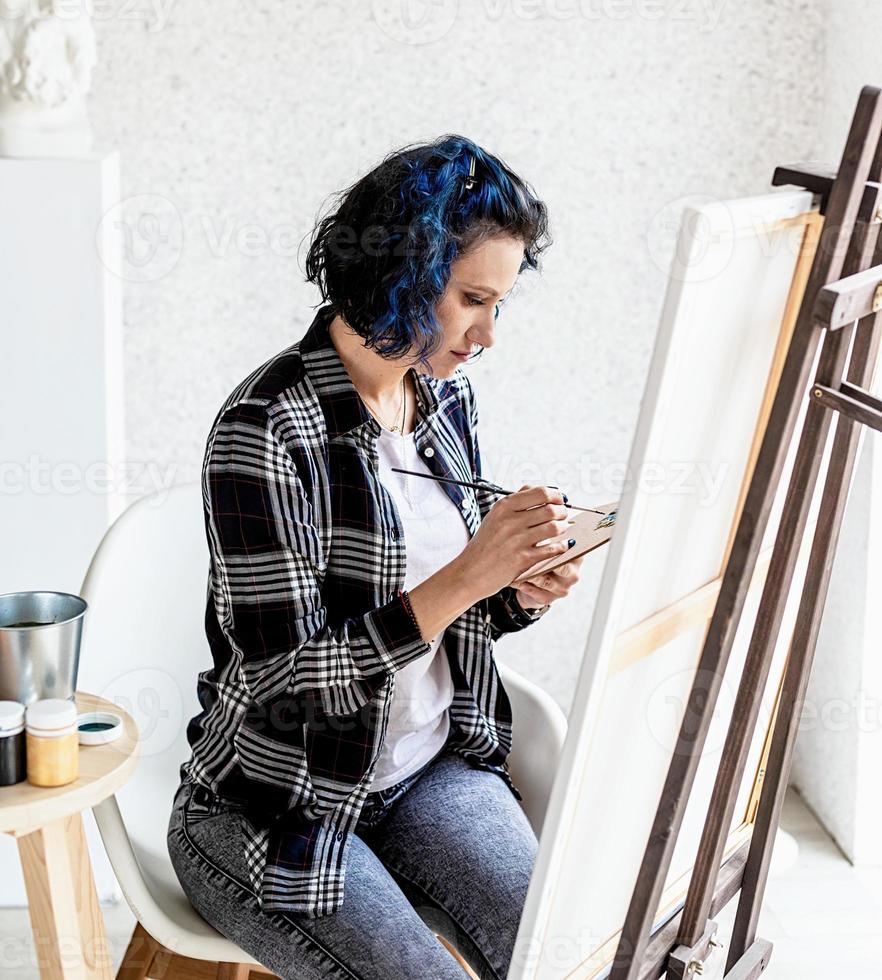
x=470, y=180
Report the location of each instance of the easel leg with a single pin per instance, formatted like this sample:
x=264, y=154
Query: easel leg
x=65, y=916
x=752, y=964
x=808, y=623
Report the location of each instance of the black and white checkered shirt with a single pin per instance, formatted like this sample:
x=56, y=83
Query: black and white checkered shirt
x=303, y=617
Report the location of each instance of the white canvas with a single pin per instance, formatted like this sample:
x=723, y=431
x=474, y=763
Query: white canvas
x=716, y=356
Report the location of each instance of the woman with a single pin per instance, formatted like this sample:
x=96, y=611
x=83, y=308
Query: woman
x=354, y=730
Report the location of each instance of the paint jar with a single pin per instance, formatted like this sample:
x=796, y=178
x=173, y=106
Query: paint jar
x=52, y=742
x=13, y=765
x=99, y=727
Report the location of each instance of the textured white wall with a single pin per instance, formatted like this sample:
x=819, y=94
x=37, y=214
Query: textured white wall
x=235, y=121
x=838, y=757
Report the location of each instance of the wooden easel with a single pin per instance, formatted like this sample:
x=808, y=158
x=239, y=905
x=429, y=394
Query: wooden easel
x=840, y=314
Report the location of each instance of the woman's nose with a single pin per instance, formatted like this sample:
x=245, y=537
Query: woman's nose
x=483, y=333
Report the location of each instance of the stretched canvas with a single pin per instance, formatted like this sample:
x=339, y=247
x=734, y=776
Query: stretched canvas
x=734, y=290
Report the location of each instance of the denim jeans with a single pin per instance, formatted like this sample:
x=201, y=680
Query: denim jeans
x=446, y=851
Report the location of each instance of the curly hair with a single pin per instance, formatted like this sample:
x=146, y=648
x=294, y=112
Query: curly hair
x=382, y=255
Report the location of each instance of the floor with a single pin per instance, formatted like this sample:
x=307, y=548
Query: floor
x=823, y=916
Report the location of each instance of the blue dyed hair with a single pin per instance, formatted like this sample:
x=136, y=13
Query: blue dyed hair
x=382, y=256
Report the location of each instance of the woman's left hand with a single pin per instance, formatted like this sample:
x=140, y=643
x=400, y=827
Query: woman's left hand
x=547, y=587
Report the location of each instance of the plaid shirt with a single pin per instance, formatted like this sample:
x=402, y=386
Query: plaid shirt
x=303, y=617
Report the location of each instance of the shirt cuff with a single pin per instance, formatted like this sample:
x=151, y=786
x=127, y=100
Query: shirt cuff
x=506, y=615
x=395, y=637
x=534, y=612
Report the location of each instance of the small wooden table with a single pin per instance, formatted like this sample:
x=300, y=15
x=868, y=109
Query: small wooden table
x=66, y=919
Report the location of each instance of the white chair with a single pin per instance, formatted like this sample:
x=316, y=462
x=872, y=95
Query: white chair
x=143, y=645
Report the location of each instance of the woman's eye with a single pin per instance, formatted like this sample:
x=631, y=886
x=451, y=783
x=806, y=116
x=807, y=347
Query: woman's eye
x=477, y=301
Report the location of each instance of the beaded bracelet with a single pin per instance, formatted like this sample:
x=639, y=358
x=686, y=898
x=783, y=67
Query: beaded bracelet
x=405, y=599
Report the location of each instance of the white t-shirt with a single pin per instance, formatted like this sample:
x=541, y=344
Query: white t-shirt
x=435, y=533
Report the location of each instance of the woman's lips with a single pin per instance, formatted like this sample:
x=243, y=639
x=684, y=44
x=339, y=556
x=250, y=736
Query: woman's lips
x=465, y=357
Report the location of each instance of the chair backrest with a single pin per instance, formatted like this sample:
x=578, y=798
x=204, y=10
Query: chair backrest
x=144, y=642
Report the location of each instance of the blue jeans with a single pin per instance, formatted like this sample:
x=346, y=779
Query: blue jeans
x=447, y=851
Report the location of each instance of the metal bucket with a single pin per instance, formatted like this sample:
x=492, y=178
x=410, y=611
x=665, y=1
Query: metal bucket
x=40, y=634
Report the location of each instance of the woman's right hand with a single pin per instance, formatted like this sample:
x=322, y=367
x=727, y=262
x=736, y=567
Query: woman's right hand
x=505, y=545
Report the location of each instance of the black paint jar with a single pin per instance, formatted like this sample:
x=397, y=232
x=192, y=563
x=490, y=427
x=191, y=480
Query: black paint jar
x=13, y=764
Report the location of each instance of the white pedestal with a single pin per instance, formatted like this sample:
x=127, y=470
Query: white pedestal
x=61, y=392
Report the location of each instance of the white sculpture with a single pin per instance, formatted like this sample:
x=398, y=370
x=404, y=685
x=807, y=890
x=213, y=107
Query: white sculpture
x=47, y=53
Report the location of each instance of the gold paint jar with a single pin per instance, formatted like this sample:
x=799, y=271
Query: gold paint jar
x=52, y=742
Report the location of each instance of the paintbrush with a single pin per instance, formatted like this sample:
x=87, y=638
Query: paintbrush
x=486, y=485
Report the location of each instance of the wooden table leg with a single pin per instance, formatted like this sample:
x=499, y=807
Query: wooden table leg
x=66, y=919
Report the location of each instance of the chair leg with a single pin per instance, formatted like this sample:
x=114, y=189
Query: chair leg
x=147, y=959
x=139, y=955
x=454, y=952
x=233, y=971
